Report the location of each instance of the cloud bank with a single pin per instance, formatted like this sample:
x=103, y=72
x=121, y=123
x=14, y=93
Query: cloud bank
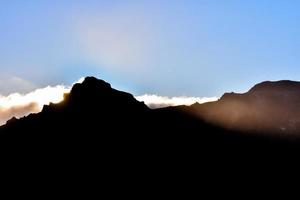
x=155, y=101
x=19, y=105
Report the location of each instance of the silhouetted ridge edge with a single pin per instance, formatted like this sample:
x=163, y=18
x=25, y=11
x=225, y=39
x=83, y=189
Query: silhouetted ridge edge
x=93, y=109
x=280, y=86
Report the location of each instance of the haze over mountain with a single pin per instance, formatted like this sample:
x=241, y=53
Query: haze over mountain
x=272, y=107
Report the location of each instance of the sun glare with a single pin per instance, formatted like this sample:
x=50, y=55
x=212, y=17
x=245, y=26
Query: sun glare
x=40, y=96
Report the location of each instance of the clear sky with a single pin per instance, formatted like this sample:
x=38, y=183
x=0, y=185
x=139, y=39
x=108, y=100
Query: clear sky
x=173, y=48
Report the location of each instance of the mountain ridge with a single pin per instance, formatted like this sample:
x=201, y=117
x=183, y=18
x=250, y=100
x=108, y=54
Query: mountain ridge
x=91, y=106
x=271, y=106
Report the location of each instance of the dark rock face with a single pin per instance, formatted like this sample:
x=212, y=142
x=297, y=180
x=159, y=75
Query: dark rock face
x=90, y=107
x=100, y=133
x=95, y=118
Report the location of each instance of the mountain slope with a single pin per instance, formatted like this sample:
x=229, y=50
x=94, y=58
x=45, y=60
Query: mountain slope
x=95, y=115
x=268, y=107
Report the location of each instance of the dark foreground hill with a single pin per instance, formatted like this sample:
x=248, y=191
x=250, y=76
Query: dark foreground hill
x=105, y=134
x=95, y=115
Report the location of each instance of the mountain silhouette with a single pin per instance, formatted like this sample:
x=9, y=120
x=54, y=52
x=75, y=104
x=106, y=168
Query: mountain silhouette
x=104, y=134
x=268, y=108
x=94, y=115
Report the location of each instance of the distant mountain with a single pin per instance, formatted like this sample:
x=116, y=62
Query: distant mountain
x=268, y=107
x=101, y=134
x=94, y=115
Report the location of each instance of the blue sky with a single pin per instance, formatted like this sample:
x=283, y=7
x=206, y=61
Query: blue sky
x=173, y=48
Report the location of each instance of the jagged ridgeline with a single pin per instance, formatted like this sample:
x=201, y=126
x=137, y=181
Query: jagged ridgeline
x=93, y=112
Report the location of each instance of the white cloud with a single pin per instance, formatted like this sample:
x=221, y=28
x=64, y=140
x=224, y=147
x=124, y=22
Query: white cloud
x=19, y=105
x=40, y=97
x=155, y=101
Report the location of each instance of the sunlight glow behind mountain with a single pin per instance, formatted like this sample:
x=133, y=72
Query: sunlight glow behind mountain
x=41, y=97
x=19, y=105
